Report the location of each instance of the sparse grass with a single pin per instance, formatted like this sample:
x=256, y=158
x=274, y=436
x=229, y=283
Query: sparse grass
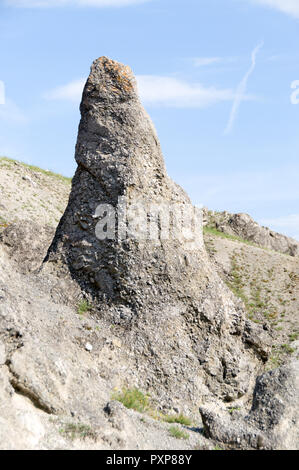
x=62, y=178
x=179, y=418
x=176, y=432
x=294, y=336
x=287, y=349
x=213, y=231
x=278, y=354
x=236, y=284
x=78, y=431
x=83, y=307
x=208, y=230
x=133, y=399
x=256, y=299
x=233, y=409
x=275, y=360
x=3, y=223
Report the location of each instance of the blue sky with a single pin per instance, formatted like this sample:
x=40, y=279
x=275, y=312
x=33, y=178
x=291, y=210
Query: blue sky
x=215, y=76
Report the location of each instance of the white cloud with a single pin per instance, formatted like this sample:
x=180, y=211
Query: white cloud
x=76, y=3
x=155, y=90
x=2, y=93
x=70, y=92
x=172, y=92
x=203, y=61
x=206, y=61
x=289, y=224
x=10, y=112
x=241, y=90
x=290, y=7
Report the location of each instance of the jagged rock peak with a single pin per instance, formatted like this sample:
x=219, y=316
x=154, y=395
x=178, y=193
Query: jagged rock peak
x=112, y=77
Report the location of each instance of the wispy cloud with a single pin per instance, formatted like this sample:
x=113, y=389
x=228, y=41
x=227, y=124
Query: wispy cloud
x=2, y=92
x=172, y=92
x=11, y=113
x=204, y=61
x=291, y=7
x=71, y=3
x=155, y=90
x=70, y=92
x=241, y=90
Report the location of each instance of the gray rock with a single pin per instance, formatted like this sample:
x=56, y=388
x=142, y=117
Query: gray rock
x=27, y=243
x=2, y=354
x=175, y=314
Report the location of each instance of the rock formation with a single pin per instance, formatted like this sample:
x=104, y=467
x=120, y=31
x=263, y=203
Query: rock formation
x=147, y=285
x=120, y=160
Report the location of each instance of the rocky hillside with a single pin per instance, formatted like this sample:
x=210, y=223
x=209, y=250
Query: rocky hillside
x=244, y=227
x=30, y=193
x=266, y=281
x=141, y=343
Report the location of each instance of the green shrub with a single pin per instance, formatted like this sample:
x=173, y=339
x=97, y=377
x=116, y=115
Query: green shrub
x=179, y=418
x=178, y=433
x=133, y=399
x=84, y=307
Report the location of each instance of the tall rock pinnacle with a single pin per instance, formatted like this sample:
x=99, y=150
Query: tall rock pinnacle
x=153, y=246
x=132, y=240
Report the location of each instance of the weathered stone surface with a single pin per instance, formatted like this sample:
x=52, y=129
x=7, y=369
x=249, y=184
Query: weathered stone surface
x=27, y=243
x=2, y=354
x=52, y=391
x=273, y=420
x=243, y=226
x=145, y=286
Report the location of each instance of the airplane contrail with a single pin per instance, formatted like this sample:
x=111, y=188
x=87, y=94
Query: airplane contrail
x=241, y=90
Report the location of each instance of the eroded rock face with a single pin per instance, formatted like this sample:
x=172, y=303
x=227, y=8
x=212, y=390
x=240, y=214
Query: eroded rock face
x=272, y=422
x=27, y=243
x=183, y=326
